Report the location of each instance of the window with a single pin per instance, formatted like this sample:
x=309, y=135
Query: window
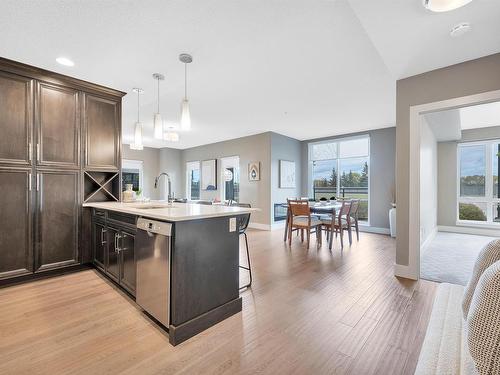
x=340, y=168
x=478, y=191
x=132, y=173
x=193, y=180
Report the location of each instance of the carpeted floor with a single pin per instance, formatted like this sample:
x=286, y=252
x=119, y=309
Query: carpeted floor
x=450, y=257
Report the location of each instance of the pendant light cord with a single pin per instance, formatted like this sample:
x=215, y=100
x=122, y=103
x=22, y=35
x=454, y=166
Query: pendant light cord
x=158, y=95
x=138, y=93
x=185, y=82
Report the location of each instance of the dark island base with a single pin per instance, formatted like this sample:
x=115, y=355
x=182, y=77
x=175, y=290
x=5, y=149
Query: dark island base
x=181, y=333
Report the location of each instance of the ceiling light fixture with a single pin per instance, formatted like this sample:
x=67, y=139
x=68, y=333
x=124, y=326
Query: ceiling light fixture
x=185, y=116
x=171, y=135
x=65, y=61
x=444, y=5
x=137, y=145
x=157, y=120
x=460, y=29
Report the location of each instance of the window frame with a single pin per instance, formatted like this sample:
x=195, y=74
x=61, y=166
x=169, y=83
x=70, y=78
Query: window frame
x=190, y=167
x=338, y=141
x=488, y=198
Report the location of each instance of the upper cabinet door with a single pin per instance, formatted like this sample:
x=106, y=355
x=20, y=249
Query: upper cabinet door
x=57, y=219
x=16, y=255
x=103, y=129
x=16, y=100
x=58, y=126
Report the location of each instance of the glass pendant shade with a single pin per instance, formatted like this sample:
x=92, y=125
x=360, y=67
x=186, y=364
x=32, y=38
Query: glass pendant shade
x=137, y=145
x=185, y=116
x=158, y=126
x=171, y=136
x=444, y=5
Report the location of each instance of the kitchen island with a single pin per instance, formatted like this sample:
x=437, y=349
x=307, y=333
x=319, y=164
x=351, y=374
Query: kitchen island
x=180, y=261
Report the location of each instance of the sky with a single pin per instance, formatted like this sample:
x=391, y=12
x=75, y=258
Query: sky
x=323, y=168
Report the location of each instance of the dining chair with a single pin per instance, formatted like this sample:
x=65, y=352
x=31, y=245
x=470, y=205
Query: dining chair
x=353, y=216
x=338, y=224
x=296, y=201
x=243, y=221
x=301, y=219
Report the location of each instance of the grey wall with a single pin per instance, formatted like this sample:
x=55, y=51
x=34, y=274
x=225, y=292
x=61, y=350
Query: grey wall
x=382, y=172
x=155, y=161
x=447, y=174
x=468, y=78
x=151, y=167
x=284, y=148
x=171, y=163
x=249, y=149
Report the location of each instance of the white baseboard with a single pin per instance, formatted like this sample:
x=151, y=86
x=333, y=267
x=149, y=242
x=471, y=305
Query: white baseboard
x=368, y=229
x=405, y=271
x=469, y=230
x=428, y=240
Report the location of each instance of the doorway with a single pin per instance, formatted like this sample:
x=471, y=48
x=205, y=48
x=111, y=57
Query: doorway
x=417, y=240
x=230, y=177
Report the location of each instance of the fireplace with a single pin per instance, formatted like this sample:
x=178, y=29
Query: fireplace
x=280, y=211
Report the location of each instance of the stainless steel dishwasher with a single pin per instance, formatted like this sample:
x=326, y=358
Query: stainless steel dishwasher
x=152, y=251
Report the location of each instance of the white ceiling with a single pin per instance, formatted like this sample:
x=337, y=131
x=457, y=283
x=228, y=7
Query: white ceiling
x=306, y=69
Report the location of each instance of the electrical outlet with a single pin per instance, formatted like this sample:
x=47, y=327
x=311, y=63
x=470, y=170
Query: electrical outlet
x=232, y=224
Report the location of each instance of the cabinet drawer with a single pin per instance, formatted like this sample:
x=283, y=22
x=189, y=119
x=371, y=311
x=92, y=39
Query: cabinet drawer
x=119, y=218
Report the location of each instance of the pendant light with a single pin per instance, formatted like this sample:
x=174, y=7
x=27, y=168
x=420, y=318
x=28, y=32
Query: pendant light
x=171, y=135
x=185, y=116
x=444, y=5
x=157, y=120
x=137, y=145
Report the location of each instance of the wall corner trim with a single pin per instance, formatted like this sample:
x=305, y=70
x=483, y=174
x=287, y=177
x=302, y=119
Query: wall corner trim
x=405, y=271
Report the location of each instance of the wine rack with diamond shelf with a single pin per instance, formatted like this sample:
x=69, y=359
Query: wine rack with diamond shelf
x=100, y=186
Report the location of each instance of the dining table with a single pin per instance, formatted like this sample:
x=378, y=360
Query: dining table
x=322, y=207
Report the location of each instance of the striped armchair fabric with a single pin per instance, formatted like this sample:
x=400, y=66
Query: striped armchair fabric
x=489, y=255
x=483, y=322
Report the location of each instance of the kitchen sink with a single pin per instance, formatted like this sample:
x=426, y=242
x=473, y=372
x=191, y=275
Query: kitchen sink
x=150, y=206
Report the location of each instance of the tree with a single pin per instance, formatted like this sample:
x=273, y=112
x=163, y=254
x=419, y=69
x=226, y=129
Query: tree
x=333, y=178
x=363, y=180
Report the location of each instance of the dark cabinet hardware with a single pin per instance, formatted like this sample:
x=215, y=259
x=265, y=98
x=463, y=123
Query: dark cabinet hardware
x=103, y=241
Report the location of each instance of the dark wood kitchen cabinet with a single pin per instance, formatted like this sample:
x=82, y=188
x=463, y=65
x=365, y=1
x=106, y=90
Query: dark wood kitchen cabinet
x=16, y=106
x=112, y=266
x=16, y=255
x=57, y=219
x=57, y=120
x=102, y=127
x=56, y=131
x=127, y=261
x=114, y=237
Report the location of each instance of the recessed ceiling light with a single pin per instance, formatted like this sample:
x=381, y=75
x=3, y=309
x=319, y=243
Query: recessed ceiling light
x=65, y=61
x=460, y=29
x=444, y=5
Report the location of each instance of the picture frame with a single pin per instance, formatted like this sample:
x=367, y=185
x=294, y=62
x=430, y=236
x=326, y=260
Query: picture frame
x=287, y=174
x=209, y=174
x=254, y=171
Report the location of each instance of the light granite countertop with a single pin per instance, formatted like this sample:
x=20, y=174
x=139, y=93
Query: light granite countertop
x=171, y=211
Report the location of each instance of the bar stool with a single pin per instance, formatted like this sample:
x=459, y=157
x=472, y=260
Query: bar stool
x=243, y=221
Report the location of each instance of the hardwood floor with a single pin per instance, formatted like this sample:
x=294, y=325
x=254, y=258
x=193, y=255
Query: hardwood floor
x=308, y=312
